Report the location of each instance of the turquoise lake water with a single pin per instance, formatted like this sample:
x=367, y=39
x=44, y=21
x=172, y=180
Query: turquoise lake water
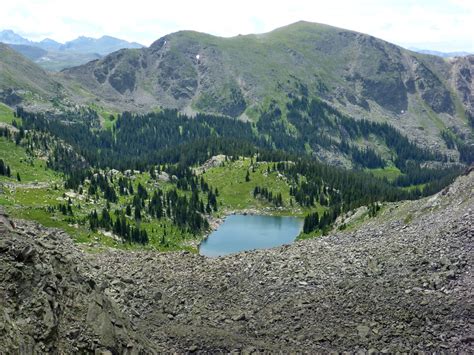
x=248, y=232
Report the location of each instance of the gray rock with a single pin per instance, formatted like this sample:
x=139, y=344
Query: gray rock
x=26, y=253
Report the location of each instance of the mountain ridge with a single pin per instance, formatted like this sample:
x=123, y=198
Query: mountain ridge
x=57, y=56
x=19, y=76
x=441, y=54
x=11, y=37
x=427, y=98
x=238, y=76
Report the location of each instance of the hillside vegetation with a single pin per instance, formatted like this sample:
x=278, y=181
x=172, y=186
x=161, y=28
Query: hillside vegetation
x=161, y=180
x=362, y=76
x=424, y=97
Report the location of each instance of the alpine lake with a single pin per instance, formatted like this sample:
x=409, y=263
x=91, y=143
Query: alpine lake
x=248, y=232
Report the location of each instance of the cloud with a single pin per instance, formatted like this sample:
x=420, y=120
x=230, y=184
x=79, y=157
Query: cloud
x=437, y=24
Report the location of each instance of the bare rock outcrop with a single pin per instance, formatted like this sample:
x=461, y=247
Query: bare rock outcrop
x=51, y=302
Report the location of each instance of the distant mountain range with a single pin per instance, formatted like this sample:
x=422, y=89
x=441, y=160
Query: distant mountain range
x=55, y=56
x=441, y=54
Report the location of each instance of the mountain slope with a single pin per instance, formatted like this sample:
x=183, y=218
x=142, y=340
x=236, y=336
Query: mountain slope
x=63, y=309
x=401, y=281
x=20, y=78
x=427, y=98
x=31, y=52
x=361, y=75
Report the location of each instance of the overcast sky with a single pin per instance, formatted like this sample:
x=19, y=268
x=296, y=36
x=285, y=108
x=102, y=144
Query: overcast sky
x=432, y=24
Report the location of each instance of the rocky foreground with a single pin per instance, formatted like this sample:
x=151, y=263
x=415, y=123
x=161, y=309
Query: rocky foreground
x=401, y=282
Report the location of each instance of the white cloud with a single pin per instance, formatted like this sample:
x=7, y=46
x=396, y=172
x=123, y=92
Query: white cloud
x=437, y=24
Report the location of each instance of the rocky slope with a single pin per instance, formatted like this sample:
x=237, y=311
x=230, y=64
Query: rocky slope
x=51, y=302
x=401, y=282
x=463, y=81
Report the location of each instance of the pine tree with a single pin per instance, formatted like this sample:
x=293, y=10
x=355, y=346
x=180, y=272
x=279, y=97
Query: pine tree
x=138, y=215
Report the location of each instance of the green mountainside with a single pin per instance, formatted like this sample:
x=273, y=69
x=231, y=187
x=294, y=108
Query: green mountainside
x=162, y=180
x=426, y=98
x=362, y=76
x=390, y=124
x=21, y=79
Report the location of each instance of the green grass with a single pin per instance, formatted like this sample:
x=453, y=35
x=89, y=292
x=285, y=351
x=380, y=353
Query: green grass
x=34, y=201
x=32, y=197
x=414, y=187
x=107, y=122
x=237, y=194
x=26, y=200
x=30, y=169
x=390, y=173
x=6, y=114
x=79, y=233
x=303, y=236
x=105, y=116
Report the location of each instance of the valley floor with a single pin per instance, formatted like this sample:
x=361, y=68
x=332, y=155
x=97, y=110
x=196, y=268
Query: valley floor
x=401, y=282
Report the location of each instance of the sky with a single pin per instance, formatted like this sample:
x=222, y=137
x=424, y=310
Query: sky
x=426, y=24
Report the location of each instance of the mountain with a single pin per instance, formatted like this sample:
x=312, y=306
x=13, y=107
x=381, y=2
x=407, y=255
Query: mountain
x=22, y=79
x=49, y=44
x=362, y=76
x=54, y=56
x=275, y=78
x=441, y=54
x=31, y=52
x=103, y=45
x=55, y=61
x=8, y=36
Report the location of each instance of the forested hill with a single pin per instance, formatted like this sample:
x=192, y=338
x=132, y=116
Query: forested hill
x=318, y=130
x=168, y=137
x=135, y=177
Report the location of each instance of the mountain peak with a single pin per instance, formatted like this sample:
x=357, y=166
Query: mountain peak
x=49, y=41
x=103, y=45
x=9, y=36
